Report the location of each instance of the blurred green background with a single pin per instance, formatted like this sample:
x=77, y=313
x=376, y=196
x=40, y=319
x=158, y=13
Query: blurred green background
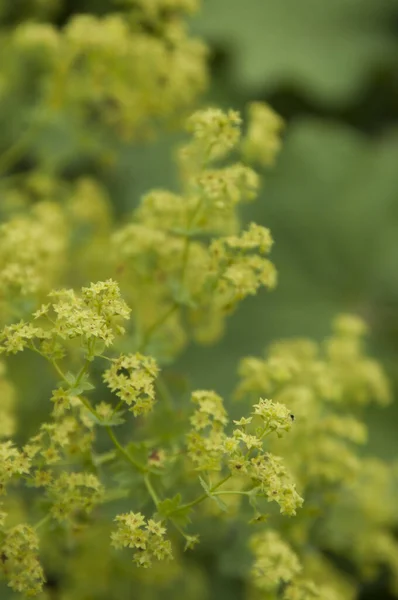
x=330, y=68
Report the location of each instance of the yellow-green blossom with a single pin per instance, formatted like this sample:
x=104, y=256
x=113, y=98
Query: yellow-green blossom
x=262, y=142
x=19, y=562
x=132, y=378
x=275, y=562
x=146, y=538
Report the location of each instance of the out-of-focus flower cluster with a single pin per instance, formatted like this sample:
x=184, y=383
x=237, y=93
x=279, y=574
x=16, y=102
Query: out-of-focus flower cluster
x=124, y=69
x=324, y=387
x=202, y=261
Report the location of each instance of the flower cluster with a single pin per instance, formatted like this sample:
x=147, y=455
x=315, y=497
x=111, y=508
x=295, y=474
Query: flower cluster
x=47, y=222
x=275, y=416
x=316, y=384
x=272, y=480
x=208, y=421
x=7, y=395
x=268, y=475
x=215, y=133
x=275, y=562
x=132, y=378
x=95, y=317
x=59, y=440
x=277, y=569
x=13, y=462
x=359, y=524
x=32, y=254
x=72, y=494
x=223, y=189
x=125, y=69
x=210, y=410
x=211, y=449
x=202, y=263
x=145, y=537
x=262, y=142
x=19, y=560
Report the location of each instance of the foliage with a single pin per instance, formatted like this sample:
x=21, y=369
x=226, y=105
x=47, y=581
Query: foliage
x=125, y=466
x=273, y=42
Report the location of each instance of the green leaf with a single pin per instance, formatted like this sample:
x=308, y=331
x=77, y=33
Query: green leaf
x=273, y=41
x=99, y=348
x=259, y=518
x=253, y=499
x=169, y=505
x=180, y=295
x=221, y=505
x=70, y=378
x=113, y=421
x=182, y=518
x=204, y=485
x=76, y=389
x=139, y=452
x=170, y=508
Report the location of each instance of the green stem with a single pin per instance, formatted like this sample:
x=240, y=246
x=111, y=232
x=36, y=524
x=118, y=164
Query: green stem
x=221, y=482
x=185, y=256
x=226, y=492
x=58, y=369
x=158, y=323
x=123, y=452
x=187, y=245
x=111, y=434
x=164, y=392
x=82, y=372
x=115, y=495
x=204, y=496
x=117, y=407
x=88, y=406
x=179, y=529
x=109, y=430
x=104, y=458
x=42, y=522
x=262, y=436
x=151, y=490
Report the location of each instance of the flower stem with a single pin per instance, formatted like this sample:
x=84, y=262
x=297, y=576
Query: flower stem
x=42, y=522
x=158, y=323
x=123, y=452
x=204, y=496
x=151, y=490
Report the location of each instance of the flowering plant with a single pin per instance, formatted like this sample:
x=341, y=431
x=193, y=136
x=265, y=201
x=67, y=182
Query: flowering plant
x=128, y=471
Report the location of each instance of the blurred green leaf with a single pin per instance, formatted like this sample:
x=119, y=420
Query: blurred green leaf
x=172, y=508
x=113, y=421
x=326, y=48
x=221, y=505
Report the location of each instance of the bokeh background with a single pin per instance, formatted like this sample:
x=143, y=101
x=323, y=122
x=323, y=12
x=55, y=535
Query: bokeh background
x=330, y=68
